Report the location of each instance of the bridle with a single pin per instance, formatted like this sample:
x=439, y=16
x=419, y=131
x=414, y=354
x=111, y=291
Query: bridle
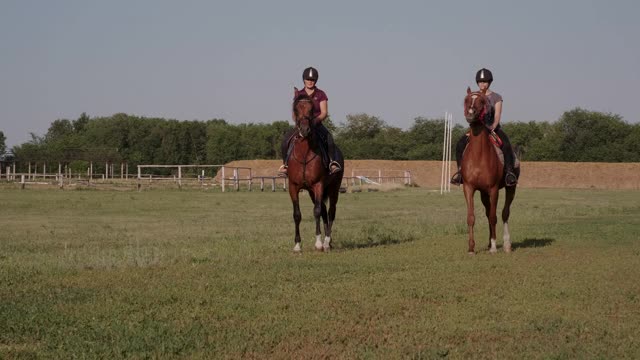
x=474, y=96
x=306, y=117
x=300, y=136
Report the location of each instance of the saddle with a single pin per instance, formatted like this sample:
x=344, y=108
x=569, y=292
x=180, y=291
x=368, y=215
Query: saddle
x=324, y=146
x=497, y=144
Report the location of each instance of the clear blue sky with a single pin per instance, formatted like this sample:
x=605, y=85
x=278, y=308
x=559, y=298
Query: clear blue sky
x=238, y=60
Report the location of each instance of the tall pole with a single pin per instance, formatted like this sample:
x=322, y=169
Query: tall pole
x=444, y=154
x=449, y=127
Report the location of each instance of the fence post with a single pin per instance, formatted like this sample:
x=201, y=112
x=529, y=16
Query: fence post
x=235, y=177
x=222, y=179
x=22, y=182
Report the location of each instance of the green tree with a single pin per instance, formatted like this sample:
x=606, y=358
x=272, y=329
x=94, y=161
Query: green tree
x=591, y=136
x=3, y=145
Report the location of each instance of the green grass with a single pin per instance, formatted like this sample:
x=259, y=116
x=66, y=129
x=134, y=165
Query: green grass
x=168, y=273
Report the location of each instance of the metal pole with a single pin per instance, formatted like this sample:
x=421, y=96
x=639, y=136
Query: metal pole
x=449, y=151
x=444, y=147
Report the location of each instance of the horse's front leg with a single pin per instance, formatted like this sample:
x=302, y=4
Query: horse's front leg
x=471, y=217
x=297, y=216
x=317, y=212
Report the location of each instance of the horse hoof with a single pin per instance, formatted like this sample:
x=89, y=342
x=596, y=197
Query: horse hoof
x=507, y=249
x=297, y=249
x=493, y=251
x=471, y=253
x=327, y=244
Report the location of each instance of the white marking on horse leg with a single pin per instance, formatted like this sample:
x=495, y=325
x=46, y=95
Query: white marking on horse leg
x=297, y=249
x=319, y=242
x=506, y=237
x=327, y=243
x=493, y=249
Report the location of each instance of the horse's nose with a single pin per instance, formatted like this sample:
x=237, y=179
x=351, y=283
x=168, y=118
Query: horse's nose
x=470, y=111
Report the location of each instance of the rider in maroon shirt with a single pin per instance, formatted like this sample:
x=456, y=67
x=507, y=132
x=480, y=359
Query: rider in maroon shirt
x=320, y=112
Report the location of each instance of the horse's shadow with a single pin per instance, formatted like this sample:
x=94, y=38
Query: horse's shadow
x=532, y=243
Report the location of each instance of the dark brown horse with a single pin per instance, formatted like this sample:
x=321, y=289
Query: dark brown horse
x=482, y=170
x=307, y=170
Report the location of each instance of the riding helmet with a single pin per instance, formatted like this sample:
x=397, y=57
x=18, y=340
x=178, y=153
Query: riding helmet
x=310, y=73
x=484, y=75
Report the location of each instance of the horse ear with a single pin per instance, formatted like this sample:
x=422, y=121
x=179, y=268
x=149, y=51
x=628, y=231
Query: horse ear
x=468, y=90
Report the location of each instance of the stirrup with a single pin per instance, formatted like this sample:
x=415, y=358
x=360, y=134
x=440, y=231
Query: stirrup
x=334, y=167
x=456, y=179
x=282, y=171
x=510, y=179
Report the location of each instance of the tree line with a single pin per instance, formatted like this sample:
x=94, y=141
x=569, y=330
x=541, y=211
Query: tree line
x=579, y=135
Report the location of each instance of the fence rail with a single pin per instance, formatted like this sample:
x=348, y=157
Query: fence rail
x=226, y=178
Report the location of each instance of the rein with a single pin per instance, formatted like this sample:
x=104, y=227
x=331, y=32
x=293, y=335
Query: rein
x=300, y=137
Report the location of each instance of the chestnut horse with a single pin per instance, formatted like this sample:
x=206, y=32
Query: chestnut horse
x=307, y=170
x=482, y=170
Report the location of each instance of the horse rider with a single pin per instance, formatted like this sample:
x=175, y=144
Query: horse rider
x=484, y=78
x=319, y=113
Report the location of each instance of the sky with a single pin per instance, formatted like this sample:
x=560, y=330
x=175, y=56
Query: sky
x=239, y=60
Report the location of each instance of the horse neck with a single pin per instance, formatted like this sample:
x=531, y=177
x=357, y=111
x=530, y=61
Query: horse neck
x=479, y=134
x=304, y=145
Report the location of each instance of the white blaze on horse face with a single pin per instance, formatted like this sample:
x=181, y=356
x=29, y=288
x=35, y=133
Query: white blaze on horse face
x=473, y=101
x=481, y=74
x=311, y=73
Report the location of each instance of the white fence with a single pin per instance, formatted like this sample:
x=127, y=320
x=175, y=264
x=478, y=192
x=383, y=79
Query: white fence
x=225, y=178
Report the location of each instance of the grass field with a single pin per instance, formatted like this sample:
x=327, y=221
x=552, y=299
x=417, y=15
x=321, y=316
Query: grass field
x=169, y=273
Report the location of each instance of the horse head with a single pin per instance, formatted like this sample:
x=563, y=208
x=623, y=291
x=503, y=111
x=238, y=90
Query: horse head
x=476, y=106
x=302, y=111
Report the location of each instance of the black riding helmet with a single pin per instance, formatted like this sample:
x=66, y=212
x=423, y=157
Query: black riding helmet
x=484, y=75
x=310, y=73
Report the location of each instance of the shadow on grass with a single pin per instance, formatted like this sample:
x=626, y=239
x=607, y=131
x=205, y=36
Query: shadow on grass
x=532, y=243
x=373, y=236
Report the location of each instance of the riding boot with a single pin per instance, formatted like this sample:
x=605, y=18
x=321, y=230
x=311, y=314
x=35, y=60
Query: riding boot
x=510, y=178
x=334, y=166
x=456, y=179
x=286, y=148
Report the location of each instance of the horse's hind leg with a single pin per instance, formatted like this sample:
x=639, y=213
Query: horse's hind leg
x=486, y=202
x=333, y=201
x=506, y=211
x=316, y=197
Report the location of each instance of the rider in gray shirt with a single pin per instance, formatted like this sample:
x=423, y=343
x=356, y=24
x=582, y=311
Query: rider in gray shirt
x=484, y=79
